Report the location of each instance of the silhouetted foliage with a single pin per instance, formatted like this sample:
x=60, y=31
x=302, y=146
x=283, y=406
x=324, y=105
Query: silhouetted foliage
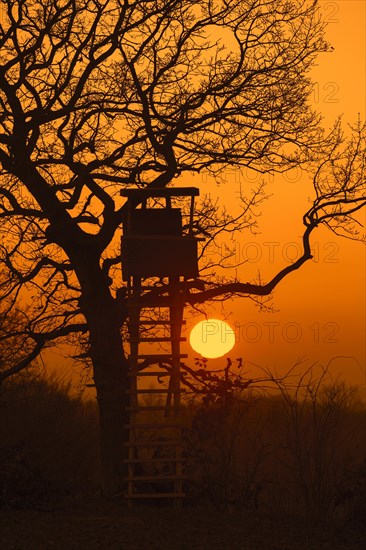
x=48, y=442
x=98, y=96
x=247, y=453
x=296, y=444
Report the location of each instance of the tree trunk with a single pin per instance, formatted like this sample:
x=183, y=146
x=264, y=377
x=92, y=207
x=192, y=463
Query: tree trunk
x=110, y=376
x=110, y=370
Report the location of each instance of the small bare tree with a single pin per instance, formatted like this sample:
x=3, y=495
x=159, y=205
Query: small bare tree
x=231, y=437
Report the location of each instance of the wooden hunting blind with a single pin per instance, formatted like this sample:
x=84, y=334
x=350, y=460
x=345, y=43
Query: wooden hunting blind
x=153, y=243
x=156, y=244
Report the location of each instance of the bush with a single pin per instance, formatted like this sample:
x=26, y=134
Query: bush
x=294, y=449
x=22, y=483
x=49, y=441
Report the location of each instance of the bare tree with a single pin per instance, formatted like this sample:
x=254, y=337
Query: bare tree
x=97, y=95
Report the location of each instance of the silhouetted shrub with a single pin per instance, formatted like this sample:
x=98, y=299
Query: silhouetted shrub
x=294, y=450
x=228, y=447
x=351, y=495
x=49, y=441
x=281, y=452
x=22, y=483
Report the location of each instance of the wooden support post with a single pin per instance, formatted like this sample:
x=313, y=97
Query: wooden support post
x=176, y=316
x=134, y=316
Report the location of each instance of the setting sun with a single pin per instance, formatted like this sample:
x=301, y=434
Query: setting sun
x=212, y=338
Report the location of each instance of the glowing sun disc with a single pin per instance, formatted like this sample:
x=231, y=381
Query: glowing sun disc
x=212, y=338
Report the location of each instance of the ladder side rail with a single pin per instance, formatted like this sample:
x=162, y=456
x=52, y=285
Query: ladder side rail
x=176, y=316
x=133, y=328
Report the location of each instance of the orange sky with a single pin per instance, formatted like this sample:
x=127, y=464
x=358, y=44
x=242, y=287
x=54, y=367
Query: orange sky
x=321, y=308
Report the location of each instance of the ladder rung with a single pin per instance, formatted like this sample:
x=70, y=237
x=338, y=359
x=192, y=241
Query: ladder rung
x=163, y=323
x=152, y=373
x=155, y=426
x=154, y=443
x=153, y=390
x=155, y=495
x=152, y=460
x=157, y=339
x=143, y=409
x=156, y=478
x=162, y=356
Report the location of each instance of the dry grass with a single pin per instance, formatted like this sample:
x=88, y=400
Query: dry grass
x=49, y=469
x=97, y=525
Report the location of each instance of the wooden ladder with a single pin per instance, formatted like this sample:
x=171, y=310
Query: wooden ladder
x=155, y=461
